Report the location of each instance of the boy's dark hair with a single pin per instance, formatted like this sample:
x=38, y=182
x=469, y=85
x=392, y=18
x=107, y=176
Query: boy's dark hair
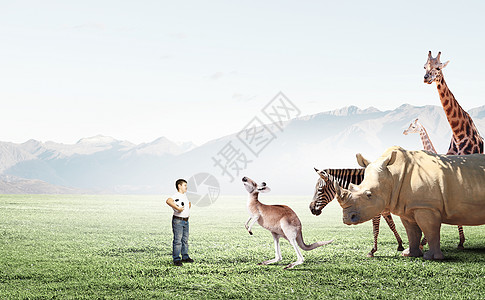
x=179, y=181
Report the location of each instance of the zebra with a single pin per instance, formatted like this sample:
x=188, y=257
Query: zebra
x=325, y=192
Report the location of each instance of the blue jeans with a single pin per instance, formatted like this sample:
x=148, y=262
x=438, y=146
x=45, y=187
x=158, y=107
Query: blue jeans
x=180, y=230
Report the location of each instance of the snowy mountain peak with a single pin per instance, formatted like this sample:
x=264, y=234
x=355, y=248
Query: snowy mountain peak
x=186, y=146
x=160, y=146
x=98, y=139
x=352, y=110
x=32, y=142
x=406, y=107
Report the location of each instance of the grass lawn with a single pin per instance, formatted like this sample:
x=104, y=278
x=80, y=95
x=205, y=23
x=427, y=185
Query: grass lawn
x=119, y=247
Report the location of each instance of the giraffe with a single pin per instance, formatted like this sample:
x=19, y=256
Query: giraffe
x=466, y=139
x=416, y=127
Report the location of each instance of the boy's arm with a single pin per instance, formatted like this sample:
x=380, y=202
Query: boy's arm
x=172, y=204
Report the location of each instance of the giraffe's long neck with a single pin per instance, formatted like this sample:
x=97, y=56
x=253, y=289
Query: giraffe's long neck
x=454, y=112
x=427, y=144
x=466, y=139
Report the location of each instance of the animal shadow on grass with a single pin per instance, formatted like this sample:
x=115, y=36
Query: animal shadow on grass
x=473, y=254
x=451, y=255
x=310, y=265
x=387, y=257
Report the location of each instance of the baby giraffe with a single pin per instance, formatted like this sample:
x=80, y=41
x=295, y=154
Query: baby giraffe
x=281, y=220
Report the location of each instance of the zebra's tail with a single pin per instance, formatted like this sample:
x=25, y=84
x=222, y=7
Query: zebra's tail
x=301, y=243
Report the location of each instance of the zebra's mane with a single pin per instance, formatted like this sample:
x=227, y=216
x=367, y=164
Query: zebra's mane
x=346, y=176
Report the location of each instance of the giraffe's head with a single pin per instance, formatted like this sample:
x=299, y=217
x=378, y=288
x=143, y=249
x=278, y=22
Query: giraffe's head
x=433, y=67
x=413, y=128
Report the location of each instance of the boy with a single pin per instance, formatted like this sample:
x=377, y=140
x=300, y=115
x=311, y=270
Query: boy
x=180, y=223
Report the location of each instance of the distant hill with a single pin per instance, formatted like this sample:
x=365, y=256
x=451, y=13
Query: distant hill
x=14, y=185
x=327, y=140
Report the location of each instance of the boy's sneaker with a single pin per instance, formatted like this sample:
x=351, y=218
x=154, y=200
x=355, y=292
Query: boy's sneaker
x=188, y=260
x=177, y=263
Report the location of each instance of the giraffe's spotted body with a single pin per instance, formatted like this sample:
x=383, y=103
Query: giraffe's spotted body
x=466, y=139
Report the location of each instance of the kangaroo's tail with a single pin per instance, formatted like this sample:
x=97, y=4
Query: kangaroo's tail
x=301, y=243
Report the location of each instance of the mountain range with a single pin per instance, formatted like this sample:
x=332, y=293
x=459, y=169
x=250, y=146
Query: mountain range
x=282, y=155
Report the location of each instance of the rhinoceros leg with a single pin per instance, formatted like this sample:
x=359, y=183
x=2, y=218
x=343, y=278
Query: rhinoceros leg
x=414, y=236
x=430, y=222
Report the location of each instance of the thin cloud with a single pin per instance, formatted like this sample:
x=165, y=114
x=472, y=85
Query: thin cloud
x=179, y=35
x=125, y=29
x=242, y=97
x=217, y=75
x=90, y=26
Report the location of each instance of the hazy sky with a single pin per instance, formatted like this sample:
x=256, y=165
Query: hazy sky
x=197, y=70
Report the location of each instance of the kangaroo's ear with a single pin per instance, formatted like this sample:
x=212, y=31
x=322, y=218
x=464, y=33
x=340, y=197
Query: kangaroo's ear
x=362, y=161
x=264, y=189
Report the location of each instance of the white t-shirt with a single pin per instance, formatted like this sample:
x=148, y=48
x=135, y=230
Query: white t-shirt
x=180, y=199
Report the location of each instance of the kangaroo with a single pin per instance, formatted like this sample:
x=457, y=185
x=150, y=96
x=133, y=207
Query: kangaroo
x=280, y=220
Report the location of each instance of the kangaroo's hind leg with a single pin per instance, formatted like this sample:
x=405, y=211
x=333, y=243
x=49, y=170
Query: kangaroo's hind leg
x=291, y=236
x=300, y=259
x=277, y=250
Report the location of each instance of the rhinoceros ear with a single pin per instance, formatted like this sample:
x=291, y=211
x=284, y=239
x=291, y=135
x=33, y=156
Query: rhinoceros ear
x=362, y=161
x=390, y=159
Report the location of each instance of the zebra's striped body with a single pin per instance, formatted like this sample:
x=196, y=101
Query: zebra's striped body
x=325, y=192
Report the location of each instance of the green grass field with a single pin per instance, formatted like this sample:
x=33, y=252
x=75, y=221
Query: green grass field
x=119, y=247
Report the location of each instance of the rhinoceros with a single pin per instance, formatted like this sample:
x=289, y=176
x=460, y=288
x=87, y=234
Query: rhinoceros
x=424, y=189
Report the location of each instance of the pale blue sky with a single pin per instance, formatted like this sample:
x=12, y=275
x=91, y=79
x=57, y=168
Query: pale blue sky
x=197, y=70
